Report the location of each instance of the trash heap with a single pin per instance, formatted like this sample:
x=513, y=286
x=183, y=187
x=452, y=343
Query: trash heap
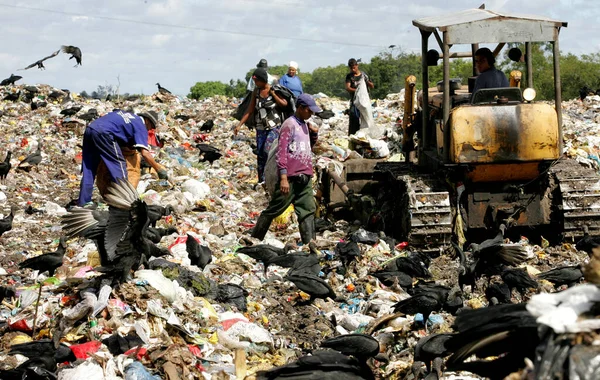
x=236, y=316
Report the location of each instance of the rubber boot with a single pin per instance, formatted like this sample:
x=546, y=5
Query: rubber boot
x=262, y=226
x=307, y=229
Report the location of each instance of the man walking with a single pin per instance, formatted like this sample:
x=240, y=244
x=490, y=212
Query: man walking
x=294, y=163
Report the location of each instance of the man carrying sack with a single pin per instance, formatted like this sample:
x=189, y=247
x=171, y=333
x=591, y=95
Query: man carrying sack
x=114, y=141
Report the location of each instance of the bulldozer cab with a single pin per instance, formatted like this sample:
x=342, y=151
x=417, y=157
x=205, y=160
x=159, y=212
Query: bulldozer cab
x=493, y=125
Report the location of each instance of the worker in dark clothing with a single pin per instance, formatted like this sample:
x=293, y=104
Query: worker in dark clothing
x=104, y=139
x=489, y=76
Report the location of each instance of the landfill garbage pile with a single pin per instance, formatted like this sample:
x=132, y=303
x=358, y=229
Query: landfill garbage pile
x=209, y=302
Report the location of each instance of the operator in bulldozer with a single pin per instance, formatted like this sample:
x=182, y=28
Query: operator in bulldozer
x=489, y=75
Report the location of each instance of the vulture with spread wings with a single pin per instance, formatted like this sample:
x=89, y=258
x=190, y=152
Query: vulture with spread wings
x=40, y=63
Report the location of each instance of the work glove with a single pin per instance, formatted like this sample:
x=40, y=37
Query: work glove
x=162, y=174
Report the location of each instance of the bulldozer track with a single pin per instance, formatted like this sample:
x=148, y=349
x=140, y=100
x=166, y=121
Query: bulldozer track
x=429, y=209
x=580, y=193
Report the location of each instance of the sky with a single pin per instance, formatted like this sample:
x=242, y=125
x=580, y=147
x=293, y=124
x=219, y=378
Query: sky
x=181, y=42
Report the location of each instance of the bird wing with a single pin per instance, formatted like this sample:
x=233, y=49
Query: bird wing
x=121, y=195
x=70, y=49
x=50, y=56
x=117, y=231
x=30, y=66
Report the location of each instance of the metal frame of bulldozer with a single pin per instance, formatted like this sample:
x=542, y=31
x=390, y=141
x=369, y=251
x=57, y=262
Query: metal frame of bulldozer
x=475, y=26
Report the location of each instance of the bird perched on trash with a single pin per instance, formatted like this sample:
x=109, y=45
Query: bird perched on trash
x=71, y=111
x=156, y=212
x=347, y=251
x=207, y=126
x=32, y=160
x=163, y=90
x=588, y=243
x=361, y=346
x=5, y=166
x=424, y=303
x=39, y=368
x=119, y=233
x=118, y=344
x=584, y=92
x=508, y=332
x=199, y=255
x=90, y=115
x=49, y=261
x=40, y=63
x=298, y=261
x=517, y=278
x=323, y=365
x=313, y=285
x=7, y=292
x=494, y=250
x=55, y=95
x=155, y=235
x=6, y=223
x=389, y=278
x=498, y=293
x=567, y=275
x=466, y=269
x=430, y=347
x=74, y=51
x=208, y=153
x=12, y=96
x=416, y=265
x=10, y=80
x=43, y=347
x=264, y=252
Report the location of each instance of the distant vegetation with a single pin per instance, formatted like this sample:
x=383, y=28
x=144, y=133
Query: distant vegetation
x=388, y=70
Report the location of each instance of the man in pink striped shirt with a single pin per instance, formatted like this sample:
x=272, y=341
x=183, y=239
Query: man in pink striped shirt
x=294, y=163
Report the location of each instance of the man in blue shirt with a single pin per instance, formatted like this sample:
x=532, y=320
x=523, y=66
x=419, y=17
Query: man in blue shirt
x=291, y=81
x=102, y=141
x=489, y=75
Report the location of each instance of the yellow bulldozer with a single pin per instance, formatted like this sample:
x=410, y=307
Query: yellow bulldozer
x=476, y=160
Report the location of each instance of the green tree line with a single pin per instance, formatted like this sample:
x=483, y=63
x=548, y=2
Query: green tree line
x=388, y=70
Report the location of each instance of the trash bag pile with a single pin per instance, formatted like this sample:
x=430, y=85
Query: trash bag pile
x=207, y=301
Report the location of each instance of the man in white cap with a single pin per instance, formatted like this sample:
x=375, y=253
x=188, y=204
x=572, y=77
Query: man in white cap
x=291, y=81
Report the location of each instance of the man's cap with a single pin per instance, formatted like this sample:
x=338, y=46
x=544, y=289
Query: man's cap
x=262, y=63
x=261, y=74
x=352, y=62
x=308, y=101
x=152, y=116
x=293, y=64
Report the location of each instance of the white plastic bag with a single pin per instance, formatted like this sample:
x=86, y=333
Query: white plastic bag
x=363, y=103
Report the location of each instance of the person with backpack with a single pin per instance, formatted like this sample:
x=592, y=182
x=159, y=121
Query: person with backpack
x=295, y=170
x=352, y=81
x=266, y=110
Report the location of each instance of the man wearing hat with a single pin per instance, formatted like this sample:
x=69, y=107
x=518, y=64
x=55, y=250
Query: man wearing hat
x=291, y=81
x=103, y=141
x=294, y=163
x=262, y=64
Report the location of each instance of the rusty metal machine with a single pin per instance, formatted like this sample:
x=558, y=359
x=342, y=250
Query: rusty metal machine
x=486, y=158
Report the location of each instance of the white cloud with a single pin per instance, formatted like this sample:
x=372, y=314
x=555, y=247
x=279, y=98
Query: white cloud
x=160, y=39
x=79, y=18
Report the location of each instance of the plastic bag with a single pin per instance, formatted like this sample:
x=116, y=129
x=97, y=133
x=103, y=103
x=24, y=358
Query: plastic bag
x=242, y=108
x=363, y=103
x=271, y=172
